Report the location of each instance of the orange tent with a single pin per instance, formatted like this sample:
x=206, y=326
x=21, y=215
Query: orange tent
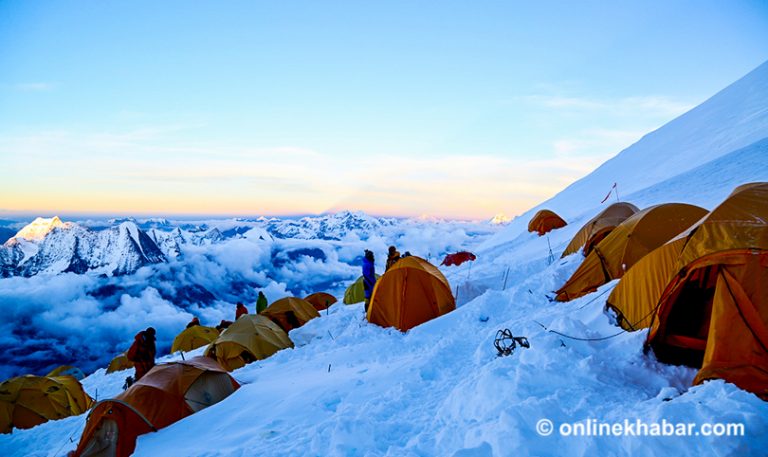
x=252, y=337
x=27, y=401
x=544, y=221
x=166, y=394
x=713, y=313
x=411, y=292
x=599, y=227
x=627, y=244
x=320, y=300
x=290, y=313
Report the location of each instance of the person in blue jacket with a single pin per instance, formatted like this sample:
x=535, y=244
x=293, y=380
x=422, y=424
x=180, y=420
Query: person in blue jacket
x=369, y=277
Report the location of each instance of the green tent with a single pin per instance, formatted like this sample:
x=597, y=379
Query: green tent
x=356, y=292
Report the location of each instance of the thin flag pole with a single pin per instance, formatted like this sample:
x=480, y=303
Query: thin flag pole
x=551, y=257
x=470, y=270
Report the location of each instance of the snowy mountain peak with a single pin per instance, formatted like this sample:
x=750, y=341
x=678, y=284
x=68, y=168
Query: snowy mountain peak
x=131, y=229
x=500, y=218
x=51, y=246
x=40, y=227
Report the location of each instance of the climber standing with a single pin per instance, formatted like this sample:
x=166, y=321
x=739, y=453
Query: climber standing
x=369, y=277
x=392, y=257
x=142, y=352
x=261, y=302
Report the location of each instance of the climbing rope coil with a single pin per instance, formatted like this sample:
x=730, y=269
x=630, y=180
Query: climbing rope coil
x=506, y=343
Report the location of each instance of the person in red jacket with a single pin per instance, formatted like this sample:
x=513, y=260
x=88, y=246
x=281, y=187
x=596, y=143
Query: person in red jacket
x=142, y=352
x=241, y=310
x=193, y=322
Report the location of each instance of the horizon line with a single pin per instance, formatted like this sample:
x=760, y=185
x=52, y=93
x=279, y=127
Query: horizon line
x=77, y=215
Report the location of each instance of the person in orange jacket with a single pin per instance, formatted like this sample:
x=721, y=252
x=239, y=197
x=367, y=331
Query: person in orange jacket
x=142, y=352
x=241, y=310
x=392, y=257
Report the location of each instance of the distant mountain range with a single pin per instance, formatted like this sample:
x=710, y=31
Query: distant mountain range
x=51, y=246
x=122, y=246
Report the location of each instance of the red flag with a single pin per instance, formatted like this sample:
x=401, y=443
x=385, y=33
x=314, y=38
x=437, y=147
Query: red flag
x=609, y=193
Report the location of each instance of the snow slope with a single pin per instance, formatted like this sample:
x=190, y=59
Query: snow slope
x=352, y=388
x=734, y=118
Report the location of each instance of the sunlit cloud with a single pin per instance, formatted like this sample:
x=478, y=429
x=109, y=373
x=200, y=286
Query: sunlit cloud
x=34, y=86
x=640, y=105
x=140, y=171
x=600, y=144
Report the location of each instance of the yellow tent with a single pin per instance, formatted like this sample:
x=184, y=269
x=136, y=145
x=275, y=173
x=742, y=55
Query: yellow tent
x=635, y=297
x=119, y=363
x=355, y=293
x=193, y=338
x=290, y=313
x=411, y=292
x=628, y=243
x=252, y=337
x=599, y=227
x=713, y=314
x=27, y=401
x=67, y=370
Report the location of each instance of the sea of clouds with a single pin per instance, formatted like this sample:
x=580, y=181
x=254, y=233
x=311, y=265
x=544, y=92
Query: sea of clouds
x=85, y=320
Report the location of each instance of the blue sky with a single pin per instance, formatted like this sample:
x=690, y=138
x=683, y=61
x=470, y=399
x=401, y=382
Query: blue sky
x=458, y=109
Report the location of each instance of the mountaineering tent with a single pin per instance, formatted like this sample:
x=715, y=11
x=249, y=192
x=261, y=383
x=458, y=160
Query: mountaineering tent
x=252, y=337
x=599, y=227
x=119, y=363
x=544, y=221
x=713, y=314
x=356, y=292
x=67, y=370
x=193, y=338
x=290, y=313
x=458, y=258
x=320, y=300
x=411, y=292
x=167, y=393
x=634, y=298
x=27, y=401
x=628, y=243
